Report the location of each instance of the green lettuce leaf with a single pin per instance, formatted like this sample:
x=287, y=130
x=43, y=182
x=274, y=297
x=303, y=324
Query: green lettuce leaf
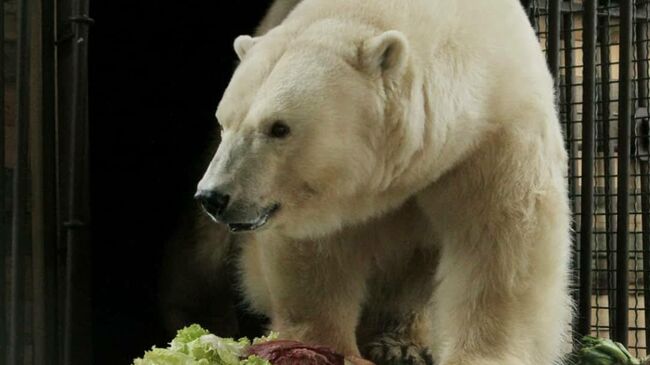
x=194, y=345
x=601, y=351
x=227, y=350
x=270, y=337
x=159, y=356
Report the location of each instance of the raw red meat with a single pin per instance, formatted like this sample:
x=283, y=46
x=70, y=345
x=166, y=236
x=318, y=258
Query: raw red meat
x=285, y=352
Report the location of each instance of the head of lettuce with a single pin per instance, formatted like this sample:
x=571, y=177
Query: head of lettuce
x=194, y=345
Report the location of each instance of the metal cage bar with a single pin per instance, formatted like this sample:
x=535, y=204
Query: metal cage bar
x=20, y=191
x=567, y=104
x=575, y=5
x=77, y=339
x=587, y=191
x=624, y=118
x=610, y=239
x=642, y=92
x=568, y=94
x=4, y=245
x=645, y=204
x=44, y=222
x=553, y=51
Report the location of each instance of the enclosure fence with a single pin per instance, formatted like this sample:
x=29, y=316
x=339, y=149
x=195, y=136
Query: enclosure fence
x=44, y=247
x=597, y=52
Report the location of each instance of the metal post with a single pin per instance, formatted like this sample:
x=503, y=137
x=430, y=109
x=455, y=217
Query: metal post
x=645, y=226
x=624, y=117
x=553, y=51
x=4, y=245
x=569, y=97
x=50, y=204
x=569, y=133
x=77, y=341
x=44, y=244
x=19, y=239
x=610, y=238
x=642, y=92
x=587, y=192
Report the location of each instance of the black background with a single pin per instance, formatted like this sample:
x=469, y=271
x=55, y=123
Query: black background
x=157, y=71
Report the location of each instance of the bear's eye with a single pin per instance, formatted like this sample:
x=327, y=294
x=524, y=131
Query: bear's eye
x=279, y=130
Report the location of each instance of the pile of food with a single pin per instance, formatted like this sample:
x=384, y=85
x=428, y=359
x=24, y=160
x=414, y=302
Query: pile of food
x=194, y=345
x=602, y=351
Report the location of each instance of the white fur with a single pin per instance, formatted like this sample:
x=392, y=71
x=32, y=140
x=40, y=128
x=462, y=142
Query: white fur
x=445, y=104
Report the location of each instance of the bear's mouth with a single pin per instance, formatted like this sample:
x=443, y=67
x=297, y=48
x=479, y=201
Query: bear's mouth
x=258, y=223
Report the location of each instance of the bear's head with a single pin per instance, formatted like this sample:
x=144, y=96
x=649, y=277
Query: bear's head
x=311, y=130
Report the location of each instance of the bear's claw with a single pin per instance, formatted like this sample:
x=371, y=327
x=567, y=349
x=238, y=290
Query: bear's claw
x=388, y=350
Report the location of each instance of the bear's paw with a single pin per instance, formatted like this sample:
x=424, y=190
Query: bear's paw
x=390, y=350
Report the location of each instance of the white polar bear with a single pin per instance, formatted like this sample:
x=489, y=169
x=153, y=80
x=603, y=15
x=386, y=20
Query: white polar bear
x=397, y=168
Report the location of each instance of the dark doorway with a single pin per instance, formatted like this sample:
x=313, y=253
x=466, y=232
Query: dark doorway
x=157, y=71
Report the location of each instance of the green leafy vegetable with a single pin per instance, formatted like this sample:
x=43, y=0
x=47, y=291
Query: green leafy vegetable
x=193, y=345
x=165, y=356
x=271, y=336
x=601, y=351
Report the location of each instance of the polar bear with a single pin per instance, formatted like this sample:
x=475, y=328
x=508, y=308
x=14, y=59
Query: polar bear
x=395, y=170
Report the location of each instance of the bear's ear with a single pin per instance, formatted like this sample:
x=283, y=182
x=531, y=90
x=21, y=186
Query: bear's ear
x=386, y=52
x=242, y=44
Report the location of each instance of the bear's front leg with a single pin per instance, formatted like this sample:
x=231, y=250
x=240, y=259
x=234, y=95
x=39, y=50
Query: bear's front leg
x=395, y=328
x=503, y=296
x=503, y=220
x=315, y=290
x=499, y=311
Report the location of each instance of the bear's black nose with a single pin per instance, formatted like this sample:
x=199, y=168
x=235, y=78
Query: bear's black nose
x=213, y=202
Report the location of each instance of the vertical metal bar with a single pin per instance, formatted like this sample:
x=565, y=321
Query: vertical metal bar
x=35, y=138
x=624, y=118
x=51, y=271
x=570, y=145
x=642, y=92
x=568, y=94
x=4, y=244
x=19, y=237
x=44, y=250
x=64, y=70
x=642, y=60
x=553, y=51
x=587, y=192
x=610, y=238
x=567, y=25
x=645, y=206
x=77, y=345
